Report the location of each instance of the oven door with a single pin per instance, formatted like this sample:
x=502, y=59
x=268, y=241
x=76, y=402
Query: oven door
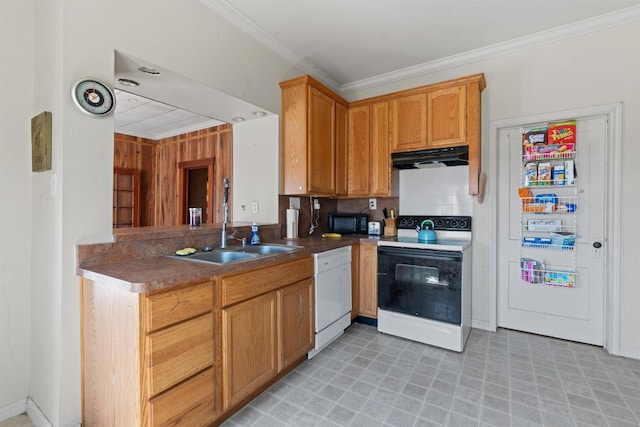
x=421, y=282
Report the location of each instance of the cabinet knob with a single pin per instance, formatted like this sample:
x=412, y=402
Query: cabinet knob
x=597, y=245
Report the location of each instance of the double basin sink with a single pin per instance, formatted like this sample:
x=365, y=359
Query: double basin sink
x=231, y=254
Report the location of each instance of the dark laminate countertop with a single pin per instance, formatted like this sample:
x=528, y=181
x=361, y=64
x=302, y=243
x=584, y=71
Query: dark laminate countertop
x=159, y=271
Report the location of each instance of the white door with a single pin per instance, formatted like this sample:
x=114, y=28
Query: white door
x=569, y=313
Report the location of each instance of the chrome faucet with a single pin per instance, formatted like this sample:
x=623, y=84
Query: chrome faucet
x=225, y=212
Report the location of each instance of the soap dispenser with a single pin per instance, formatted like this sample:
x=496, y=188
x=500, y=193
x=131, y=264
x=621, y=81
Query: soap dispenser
x=255, y=237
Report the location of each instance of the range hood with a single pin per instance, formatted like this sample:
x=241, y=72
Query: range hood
x=448, y=156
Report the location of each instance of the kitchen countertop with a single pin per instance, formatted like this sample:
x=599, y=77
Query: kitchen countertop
x=147, y=273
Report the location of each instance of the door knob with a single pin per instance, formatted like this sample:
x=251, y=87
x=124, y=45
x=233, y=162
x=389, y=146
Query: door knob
x=597, y=245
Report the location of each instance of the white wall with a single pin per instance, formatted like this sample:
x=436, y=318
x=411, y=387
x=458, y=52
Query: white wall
x=591, y=69
x=57, y=46
x=16, y=76
x=256, y=169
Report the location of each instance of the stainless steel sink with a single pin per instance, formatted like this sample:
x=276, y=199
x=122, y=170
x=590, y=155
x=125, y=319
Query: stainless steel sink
x=268, y=249
x=236, y=253
x=218, y=256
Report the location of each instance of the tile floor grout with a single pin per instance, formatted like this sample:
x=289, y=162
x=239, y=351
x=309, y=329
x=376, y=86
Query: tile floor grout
x=506, y=378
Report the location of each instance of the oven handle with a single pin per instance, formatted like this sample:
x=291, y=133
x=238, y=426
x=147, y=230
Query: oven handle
x=421, y=253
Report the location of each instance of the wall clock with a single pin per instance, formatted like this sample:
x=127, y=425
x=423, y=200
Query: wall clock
x=93, y=97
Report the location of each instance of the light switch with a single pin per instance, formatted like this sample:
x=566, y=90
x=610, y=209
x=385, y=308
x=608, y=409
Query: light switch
x=254, y=207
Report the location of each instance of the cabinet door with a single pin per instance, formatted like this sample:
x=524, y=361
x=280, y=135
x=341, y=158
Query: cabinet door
x=293, y=150
x=342, y=150
x=355, y=280
x=409, y=123
x=380, y=174
x=296, y=320
x=249, y=348
x=446, y=117
x=321, y=160
x=369, y=280
x=359, y=151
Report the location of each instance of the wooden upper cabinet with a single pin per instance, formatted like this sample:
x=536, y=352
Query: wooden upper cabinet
x=408, y=122
x=446, y=117
x=380, y=175
x=369, y=156
x=342, y=150
x=322, y=143
x=358, y=153
x=308, y=149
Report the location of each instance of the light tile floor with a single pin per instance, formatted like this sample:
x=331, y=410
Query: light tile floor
x=506, y=378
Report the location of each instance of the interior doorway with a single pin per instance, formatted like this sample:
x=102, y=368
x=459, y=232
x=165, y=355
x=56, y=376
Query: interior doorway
x=196, y=189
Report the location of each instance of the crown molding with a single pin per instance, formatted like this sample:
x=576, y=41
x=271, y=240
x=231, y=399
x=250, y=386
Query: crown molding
x=248, y=26
x=598, y=23
x=241, y=21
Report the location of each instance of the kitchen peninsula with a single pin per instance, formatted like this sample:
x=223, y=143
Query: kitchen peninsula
x=168, y=341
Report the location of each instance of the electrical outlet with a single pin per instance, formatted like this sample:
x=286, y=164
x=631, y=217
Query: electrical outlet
x=316, y=204
x=254, y=207
x=294, y=202
x=373, y=204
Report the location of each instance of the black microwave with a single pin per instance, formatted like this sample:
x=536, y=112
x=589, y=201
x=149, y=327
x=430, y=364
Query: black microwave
x=345, y=223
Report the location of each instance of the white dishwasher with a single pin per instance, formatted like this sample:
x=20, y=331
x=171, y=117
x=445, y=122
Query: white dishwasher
x=332, y=274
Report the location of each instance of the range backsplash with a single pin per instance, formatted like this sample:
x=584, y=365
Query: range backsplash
x=435, y=191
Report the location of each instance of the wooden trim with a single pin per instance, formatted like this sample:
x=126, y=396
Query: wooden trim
x=308, y=80
x=474, y=135
x=183, y=169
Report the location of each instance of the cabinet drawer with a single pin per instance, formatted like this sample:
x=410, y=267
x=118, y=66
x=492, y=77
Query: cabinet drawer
x=191, y=403
x=170, y=307
x=177, y=352
x=243, y=286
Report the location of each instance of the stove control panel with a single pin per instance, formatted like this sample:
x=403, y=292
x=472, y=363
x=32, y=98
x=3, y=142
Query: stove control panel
x=448, y=223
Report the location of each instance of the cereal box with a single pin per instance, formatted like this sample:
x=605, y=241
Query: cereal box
x=532, y=138
x=562, y=133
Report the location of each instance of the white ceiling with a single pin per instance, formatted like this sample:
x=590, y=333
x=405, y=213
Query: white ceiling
x=357, y=44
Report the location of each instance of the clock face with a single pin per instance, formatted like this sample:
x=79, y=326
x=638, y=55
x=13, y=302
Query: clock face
x=93, y=97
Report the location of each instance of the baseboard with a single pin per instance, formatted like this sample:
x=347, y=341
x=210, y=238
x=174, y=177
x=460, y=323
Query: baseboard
x=37, y=416
x=633, y=353
x=25, y=405
x=13, y=410
x=482, y=324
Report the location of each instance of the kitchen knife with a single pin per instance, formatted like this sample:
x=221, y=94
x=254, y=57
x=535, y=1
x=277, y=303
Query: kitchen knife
x=393, y=214
x=385, y=213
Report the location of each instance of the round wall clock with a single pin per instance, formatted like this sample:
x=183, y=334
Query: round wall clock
x=93, y=97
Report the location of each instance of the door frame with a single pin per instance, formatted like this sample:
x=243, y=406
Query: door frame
x=183, y=181
x=612, y=213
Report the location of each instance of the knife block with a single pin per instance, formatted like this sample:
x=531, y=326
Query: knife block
x=390, y=227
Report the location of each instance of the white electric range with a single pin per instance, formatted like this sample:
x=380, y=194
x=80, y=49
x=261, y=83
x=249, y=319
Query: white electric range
x=424, y=288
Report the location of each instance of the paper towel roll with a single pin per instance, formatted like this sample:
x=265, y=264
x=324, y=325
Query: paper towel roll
x=292, y=223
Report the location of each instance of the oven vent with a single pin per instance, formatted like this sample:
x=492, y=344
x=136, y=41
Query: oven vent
x=449, y=156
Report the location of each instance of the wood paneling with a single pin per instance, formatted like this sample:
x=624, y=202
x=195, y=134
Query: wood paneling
x=158, y=162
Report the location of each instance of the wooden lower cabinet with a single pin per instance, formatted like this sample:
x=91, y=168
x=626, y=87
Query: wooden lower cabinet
x=193, y=354
x=267, y=326
x=368, y=280
x=148, y=359
x=249, y=347
x=355, y=281
x=296, y=315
